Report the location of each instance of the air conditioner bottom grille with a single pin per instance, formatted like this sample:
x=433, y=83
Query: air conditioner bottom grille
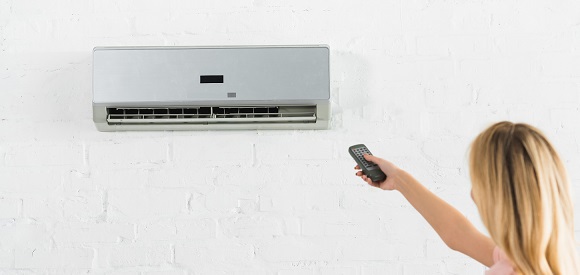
x=211, y=115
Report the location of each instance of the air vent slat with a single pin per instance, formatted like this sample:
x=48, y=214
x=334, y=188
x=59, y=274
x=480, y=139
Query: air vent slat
x=212, y=114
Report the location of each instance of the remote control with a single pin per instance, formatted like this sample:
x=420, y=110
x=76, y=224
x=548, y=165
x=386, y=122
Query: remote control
x=369, y=168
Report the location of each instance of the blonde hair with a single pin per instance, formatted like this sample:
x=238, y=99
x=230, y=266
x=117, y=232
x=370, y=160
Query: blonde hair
x=522, y=192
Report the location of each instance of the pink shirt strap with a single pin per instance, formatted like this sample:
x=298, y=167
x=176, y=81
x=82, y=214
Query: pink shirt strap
x=501, y=264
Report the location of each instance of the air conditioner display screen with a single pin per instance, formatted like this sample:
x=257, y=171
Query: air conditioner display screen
x=211, y=79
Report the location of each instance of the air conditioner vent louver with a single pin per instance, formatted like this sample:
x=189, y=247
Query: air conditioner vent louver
x=211, y=115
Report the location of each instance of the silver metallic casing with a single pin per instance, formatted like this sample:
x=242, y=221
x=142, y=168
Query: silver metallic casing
x=170, y=77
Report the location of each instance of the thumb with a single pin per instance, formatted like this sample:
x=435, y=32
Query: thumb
x=371, y=158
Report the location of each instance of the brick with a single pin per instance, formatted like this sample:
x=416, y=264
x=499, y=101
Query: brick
x=472, y=18
x=6, y=258
x=85, y=206
x=378, y=269
x=156, y=232
x=197, y=228
x=449, y=125
x=42, y=208
x=560, y=94
x=443, y=95
x=3, y=149
x=466, y=266
x=560, y=65
x=291, y=226
x=296, y=271
x=40, y=180
x=311, y=150
x=565, y=120
x=125, y=271
x=145, y=204
x=366, y=250
x=422, y=17
x=363, y=198
x=228, y=175
x=522, y=45
x=73, y=258
x=386, y=20
x=403, y=69
x=304, y=198
x=457, y=46
x=80, y=180
x=527, y=21
x=437, y=250
x=44, y=155
x=31, y=131
x=214, y=253
x=129, y=153
x=338, y=271
x=515, y=68
x=178, y=177
x=333, y=174
x=296, y=249
x=229, y=148
x=165, y=272
x=87, y=233
x=446, y=152
x=177, y=230
x=477, y=70
x=226, y=198
x=140, y=255
x=251, y=227
x=573, y=174
x=424, y=268
x=10, y=208
x=125, y=178
x=341, y=224
x=23, y=235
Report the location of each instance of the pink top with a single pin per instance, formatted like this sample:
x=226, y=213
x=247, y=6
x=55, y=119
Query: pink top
x=501, y=264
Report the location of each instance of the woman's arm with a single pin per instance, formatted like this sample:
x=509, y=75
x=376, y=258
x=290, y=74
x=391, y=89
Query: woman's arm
x=455, y=230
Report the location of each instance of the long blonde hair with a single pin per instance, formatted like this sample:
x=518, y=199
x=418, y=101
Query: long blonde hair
x=522, y=192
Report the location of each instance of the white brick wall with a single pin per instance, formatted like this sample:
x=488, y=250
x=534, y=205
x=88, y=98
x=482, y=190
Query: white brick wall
x=414, y=80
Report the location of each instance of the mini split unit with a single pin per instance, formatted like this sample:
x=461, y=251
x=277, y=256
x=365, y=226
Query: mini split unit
x=208, y=88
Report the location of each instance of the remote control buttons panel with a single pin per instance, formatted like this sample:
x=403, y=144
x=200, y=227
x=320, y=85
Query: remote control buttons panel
x=360, y=152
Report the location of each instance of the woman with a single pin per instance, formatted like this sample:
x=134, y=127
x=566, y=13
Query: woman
x=520, y=187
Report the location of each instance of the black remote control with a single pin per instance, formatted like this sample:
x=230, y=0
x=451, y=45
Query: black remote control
x=369, y=168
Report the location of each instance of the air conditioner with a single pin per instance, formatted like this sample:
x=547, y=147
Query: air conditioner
x=208, y=88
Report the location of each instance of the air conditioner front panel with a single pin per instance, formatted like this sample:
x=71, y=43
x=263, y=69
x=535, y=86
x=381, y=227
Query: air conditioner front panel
x=127, y=75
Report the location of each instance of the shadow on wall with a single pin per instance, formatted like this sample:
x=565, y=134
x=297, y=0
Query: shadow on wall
x=349, y=76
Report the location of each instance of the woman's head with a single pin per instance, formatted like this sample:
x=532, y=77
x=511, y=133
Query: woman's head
x=522, y=193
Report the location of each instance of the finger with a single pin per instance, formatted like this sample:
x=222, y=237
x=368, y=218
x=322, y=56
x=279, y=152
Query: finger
x=372, y=183
x=357, y=167
x=359, y=173
x=369, y=181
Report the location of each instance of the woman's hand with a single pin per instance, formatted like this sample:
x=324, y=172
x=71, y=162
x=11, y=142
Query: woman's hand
x=387, y=167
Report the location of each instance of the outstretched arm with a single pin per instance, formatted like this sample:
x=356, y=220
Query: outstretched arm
x=453, y=228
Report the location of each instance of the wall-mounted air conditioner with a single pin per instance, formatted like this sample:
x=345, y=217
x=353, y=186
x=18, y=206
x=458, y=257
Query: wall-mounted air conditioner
x=206, y=88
